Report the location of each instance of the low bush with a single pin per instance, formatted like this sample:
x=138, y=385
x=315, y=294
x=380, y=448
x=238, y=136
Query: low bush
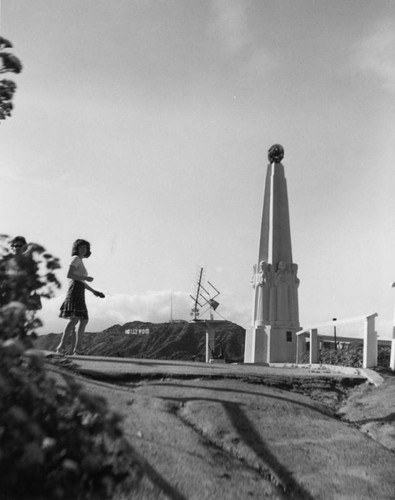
x=350, y=355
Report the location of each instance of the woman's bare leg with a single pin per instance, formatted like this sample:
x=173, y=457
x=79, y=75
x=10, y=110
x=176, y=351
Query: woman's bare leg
x=79, y=334
x=68, y=331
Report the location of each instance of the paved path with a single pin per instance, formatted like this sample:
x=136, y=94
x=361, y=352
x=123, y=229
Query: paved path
x=119, y=368
x=220, y=432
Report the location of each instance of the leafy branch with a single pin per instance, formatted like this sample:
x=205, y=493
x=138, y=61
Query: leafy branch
x=8, y=64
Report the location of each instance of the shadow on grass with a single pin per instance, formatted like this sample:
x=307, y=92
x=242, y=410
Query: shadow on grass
x=322, y=411
x=158, y=480
x=274, y=470
x=389, y=419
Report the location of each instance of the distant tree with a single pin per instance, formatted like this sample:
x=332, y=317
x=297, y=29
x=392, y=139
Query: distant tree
x=8, y=64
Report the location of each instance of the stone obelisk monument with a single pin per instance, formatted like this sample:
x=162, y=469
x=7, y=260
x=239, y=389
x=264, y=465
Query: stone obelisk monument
x=275, y=312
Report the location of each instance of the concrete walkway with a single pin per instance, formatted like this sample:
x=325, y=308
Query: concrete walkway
x=119, y=368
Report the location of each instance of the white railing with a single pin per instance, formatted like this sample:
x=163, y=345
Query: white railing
x=369, y=338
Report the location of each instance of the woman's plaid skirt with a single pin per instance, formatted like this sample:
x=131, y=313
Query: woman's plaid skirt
x=74, y=305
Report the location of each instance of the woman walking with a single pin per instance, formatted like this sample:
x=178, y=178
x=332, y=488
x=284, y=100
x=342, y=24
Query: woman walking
x=74, y=307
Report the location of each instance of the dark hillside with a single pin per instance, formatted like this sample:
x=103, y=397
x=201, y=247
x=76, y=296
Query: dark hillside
x=178, y=340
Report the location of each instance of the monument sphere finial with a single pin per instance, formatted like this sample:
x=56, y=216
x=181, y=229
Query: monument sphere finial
x=275, y=153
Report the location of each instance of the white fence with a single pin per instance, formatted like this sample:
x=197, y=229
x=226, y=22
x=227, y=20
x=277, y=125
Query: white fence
x=368, y=337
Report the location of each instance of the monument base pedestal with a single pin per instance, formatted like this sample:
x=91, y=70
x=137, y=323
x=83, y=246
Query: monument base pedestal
x=256, y=345
x=270, y=344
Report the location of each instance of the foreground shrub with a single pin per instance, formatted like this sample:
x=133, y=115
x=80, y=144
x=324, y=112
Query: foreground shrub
x=56, y=440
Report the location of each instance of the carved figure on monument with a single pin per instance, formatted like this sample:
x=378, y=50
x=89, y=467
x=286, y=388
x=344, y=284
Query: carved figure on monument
x=255, y=293
x=295, y=274
x=275, y=153
x=294, y=295
x=282, y=281
x=253, y=276
x=264, y=282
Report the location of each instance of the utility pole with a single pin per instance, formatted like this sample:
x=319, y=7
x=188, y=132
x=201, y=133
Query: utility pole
x=334, y=332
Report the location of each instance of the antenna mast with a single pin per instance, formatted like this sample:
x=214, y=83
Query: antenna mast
x=203, y=295
x=195, y=310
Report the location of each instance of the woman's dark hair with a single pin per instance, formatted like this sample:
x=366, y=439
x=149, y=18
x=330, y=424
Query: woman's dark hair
x=80, y=243
x=18, y=239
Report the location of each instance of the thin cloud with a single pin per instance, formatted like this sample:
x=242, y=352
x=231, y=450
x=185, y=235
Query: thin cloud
x=232, y=28
x=22, y=178
x=375, y=54
x=259, y=63
x=230, y=24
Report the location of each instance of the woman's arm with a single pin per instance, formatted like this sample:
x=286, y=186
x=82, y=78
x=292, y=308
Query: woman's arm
x=87, y=287
x=95, y=292
x=76, y=276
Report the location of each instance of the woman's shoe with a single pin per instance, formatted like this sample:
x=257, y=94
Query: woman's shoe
x=78, y=353
x=61, y=352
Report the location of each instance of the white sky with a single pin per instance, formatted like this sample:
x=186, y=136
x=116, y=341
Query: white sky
x=143, y=126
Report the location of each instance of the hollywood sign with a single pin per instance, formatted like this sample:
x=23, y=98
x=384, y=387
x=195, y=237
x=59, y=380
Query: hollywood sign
x=137, y=331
